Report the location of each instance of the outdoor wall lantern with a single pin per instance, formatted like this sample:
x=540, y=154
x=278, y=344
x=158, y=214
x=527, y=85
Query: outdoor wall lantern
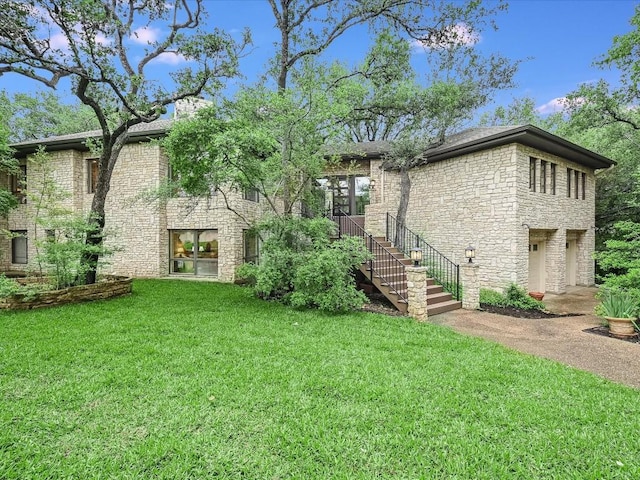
x=372, y=184
x=416, y=256
x=470, y=253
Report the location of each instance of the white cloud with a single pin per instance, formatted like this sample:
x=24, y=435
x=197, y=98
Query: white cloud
x=170, y=58
x=103, y=40
x=59, y=41
x=145, y=35
x=552, y=106
x=455, y=35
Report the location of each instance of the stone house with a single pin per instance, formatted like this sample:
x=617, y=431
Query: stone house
x=524, y=198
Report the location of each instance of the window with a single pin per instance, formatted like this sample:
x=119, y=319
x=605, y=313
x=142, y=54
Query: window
x=19, y=247
x=251, y=247
x=584, y=186
x=532, y=174
x=194, y=252
x=543, y=176
x=18, y=183
x=92, y=175
x=552, y=179
x=576, y=183
x=569, y=182
x=251, y=194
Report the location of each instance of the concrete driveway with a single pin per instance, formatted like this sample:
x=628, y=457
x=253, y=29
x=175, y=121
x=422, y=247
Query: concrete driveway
x=561, y=339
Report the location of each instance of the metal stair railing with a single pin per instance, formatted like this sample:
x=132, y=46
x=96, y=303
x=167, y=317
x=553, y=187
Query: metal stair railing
x=384, y=264
x=440, y=268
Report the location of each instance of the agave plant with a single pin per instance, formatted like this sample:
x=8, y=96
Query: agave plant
x=617, y=304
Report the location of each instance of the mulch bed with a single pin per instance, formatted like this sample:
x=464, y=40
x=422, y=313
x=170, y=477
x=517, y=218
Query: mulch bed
x=604, y=331
x=518, y=313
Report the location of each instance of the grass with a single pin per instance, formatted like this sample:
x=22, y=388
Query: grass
x=200, y=380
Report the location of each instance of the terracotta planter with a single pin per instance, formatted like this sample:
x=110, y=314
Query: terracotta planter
x=537, y=295
x=621, y=327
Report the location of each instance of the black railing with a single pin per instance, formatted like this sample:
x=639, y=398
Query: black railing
x=383, y=264
x=440, y=268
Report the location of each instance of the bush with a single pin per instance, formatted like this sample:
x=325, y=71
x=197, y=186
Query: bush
x=299, y=265
x=514, y=297
x=10, y=287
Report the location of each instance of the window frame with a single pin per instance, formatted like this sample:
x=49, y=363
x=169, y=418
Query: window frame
x=247, y=237
x=194, y=256
x=92, y=178
x=532, y=174
x=19, y=235
x=552, y=180
x=543, y=176
x=569, y=175
x=584, y=186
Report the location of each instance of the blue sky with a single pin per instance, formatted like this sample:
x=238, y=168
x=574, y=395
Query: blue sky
x=558, y=39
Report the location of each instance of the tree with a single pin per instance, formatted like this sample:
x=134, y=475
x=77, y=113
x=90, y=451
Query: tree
x=8, y=164
x=607, y=120
x=412, y=117
x=42, y=115
x=90, y=42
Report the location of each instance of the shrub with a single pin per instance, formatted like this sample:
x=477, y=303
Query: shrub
x=10, y=287
x=300, y=265
x=514, y=297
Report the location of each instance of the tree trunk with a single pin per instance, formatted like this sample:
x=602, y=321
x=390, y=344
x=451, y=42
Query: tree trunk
x=108, y=158
x=401, y=216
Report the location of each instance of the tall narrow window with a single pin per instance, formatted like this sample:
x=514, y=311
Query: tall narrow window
x=18, y=183
x=251, y=247
x=584, y=186
x=552, y=179
x=543, y=176
x=19, y=247
x=92, y=175
x=532, y=174
x=576, y=187
x=569, y=175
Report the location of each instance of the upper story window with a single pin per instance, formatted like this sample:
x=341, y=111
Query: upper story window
x=18, y=183
x=543, y=176
x=532, y=174
x=92, y=175
x=552, y=178
x=576, y=184
x=251, y=194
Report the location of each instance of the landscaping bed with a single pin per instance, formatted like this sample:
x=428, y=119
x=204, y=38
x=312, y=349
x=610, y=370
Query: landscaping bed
x=522, y=313
x=109, y=287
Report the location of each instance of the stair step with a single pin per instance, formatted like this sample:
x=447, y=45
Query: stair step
x=438, y=298
x=433, y=289
x=443, y=307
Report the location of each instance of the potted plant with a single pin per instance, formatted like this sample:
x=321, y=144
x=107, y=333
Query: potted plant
x=620, y=310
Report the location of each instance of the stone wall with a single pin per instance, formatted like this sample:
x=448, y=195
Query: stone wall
x=483, y=199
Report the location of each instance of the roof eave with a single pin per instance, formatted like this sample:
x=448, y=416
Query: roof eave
x=530, y=136
x=79, y=144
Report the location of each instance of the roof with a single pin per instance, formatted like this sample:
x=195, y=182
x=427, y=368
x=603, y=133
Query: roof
x=483, y=138
x=465, y=142
x=478, y=139
x=77, y=141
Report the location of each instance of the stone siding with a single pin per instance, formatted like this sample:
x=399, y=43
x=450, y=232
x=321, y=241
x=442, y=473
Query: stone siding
x=136, y=227
x=483, y=199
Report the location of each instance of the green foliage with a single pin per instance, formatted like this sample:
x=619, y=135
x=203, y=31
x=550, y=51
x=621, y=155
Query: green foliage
x=272, y=142
x=325, y=279
x=619, y=262
x=514, y=297
x=10, y=287
x=302, y=267
x=60, y=234
x=616, y=303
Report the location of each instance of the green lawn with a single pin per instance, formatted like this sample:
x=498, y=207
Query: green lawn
x=200, y=380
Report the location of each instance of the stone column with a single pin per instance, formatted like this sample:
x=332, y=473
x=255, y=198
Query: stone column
x=417, y=292
x=470, y=286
